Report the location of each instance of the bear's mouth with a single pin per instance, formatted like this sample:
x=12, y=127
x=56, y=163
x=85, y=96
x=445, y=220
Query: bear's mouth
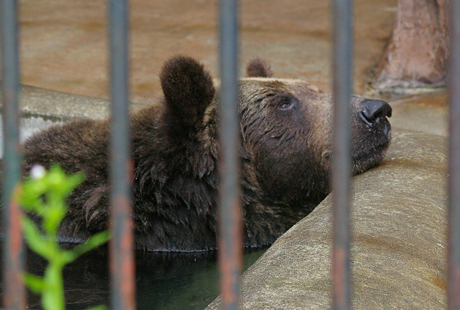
x=367, y=159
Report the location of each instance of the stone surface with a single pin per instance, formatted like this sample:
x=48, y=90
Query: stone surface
x=63, y=43
x=63, y=106
x=426, y=113
x=399, y=243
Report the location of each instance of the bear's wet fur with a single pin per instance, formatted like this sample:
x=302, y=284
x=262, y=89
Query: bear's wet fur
x=285, y=159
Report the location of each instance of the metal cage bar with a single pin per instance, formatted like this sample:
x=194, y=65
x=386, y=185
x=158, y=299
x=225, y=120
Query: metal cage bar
x=341, y=171
x=230, y=236
x=453, y=277
x=14, y=291
x=122, y=264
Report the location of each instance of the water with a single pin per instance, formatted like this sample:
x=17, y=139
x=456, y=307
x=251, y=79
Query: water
x=164, y=280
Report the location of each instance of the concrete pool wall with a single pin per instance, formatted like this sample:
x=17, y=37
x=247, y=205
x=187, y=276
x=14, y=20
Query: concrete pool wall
x=399, y=239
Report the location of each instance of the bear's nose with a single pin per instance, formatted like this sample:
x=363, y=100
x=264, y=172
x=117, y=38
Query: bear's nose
x=374, y=111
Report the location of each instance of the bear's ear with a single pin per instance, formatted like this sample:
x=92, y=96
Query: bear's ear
x=258, y=67
x=188, y=90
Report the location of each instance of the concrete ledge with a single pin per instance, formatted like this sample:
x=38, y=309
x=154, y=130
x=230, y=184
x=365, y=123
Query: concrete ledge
x=427, y=113
x=399, y=247
x=38, y=101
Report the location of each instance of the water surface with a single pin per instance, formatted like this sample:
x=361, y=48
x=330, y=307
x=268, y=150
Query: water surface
x=164, y=280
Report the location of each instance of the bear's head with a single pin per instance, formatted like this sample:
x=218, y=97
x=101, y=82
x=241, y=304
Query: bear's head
x=286, y=128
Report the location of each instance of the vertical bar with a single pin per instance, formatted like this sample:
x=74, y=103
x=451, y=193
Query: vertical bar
x=14, y=292
x=341, y=172
x=230, y=239
x=453, y=277
x=122, y=244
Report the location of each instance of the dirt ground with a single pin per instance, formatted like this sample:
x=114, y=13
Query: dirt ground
x=63, y=44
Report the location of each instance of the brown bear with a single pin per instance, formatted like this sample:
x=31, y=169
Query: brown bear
x=285, y=153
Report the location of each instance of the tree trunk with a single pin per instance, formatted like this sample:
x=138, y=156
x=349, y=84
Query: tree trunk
x=417, y=52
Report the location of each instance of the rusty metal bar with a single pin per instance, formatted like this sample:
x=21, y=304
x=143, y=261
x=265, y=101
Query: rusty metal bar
x=341, y=172
x=122, y=264
x=453, y=277
x=14, y=292
x=230, y=236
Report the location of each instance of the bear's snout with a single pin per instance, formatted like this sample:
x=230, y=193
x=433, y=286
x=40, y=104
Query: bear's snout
x=374, y=114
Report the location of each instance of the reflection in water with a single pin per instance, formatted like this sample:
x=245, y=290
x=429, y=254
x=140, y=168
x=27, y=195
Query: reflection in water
x=163, y=280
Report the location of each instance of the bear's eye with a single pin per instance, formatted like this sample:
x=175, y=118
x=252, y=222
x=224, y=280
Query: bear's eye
x=285, y=103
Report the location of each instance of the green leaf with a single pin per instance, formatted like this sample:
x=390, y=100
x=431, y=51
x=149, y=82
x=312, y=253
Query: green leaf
x=53, y=217
x=92, y=243
x=61, y=184
x=46, y=196
x=53, y=295
x=29, y=197
x=36, y=241
x=102, y=307
x=35, y=283
x=74, y=180
x=52, y=301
